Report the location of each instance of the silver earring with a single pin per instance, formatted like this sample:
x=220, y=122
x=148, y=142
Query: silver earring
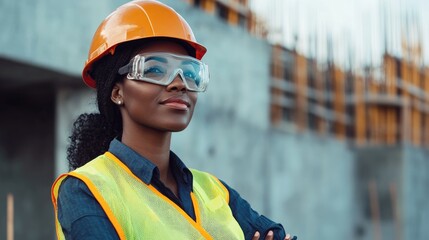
x=119, y=103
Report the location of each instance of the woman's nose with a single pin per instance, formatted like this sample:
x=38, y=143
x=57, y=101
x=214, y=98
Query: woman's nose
x=178, y=84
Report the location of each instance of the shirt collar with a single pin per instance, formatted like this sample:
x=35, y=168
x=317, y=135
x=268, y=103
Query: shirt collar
x=145, y=169
x=179, y=168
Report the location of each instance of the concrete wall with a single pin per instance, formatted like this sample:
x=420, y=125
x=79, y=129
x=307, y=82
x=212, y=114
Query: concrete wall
x=49, y=33
x=414, y=200
x=379, y=169
x=401, y=175
x=26, y=154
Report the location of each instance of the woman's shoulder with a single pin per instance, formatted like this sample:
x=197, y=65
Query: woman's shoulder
x=71, y=186
x=75, y=204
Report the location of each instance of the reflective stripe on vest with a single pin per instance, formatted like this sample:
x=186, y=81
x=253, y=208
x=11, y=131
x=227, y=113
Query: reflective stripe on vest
x=140, y=211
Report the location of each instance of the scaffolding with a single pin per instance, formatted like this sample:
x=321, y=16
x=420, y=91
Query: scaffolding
x=368, y=108
x=235, y=13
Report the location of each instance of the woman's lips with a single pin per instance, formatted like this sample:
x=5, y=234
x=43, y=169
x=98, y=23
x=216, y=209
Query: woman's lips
x=176, y=103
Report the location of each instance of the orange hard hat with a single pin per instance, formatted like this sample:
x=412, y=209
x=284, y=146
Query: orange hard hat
x=140, y=19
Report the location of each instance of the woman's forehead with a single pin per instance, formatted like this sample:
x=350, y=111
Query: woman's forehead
x=163, y=46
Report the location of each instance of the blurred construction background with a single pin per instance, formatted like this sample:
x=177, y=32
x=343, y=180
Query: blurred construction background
x=322, y=128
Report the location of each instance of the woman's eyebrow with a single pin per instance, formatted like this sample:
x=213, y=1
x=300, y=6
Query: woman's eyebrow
x=191, y=62
x=157, y=58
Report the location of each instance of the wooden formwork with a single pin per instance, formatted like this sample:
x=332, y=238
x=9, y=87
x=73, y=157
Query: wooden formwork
x=300, y=79
x=276, y=93
x=360, y=125
x=387, y=108
x=391, y=92
x=425, y=77
x=339, y=105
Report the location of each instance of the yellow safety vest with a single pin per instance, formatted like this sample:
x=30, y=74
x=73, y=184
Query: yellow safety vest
x=140, y=211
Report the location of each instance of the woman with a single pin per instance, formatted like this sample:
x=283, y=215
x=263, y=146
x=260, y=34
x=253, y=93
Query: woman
x=146, y=66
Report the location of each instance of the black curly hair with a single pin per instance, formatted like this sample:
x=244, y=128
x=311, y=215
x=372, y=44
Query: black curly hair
x=93, y=132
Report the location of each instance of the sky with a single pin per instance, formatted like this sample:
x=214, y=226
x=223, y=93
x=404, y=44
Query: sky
x=357, y=27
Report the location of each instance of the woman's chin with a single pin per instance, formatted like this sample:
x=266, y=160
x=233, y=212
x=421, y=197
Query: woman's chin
x=175, y=127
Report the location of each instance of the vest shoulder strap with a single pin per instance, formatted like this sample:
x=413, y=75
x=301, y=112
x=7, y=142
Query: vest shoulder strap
x=206, y=179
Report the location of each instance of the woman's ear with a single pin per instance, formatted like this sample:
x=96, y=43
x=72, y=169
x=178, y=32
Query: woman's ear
x=116, y=94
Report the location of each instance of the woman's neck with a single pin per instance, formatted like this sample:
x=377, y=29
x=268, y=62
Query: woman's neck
x=152, y=144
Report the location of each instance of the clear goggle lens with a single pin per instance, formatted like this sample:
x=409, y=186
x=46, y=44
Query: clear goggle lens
x=162, y=68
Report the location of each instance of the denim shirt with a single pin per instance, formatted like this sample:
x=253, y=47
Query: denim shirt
x=82, y=217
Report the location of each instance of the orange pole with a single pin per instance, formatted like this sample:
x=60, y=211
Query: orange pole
x=416, y=112
x=373, y=112
x=390, y=81
x=209, y=5
x=339, y=102
x=360, y=113
x=301, y=93
x=10, y=215
x=406, y=109
x=393, y=92
x=382, y=124
x=232, y=16
x=277, y=73
x=426, y=116
x=376, y=129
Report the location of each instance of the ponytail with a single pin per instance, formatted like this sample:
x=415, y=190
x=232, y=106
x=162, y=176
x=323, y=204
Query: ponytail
x=90, y=137
x=93, y=132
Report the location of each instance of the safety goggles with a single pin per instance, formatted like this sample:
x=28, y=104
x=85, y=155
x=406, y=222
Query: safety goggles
x=162, y=68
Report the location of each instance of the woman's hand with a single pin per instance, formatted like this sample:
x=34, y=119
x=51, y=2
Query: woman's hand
x=270, y=236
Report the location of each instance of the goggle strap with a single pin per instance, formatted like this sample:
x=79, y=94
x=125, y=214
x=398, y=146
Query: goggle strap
x=125, y=69
x=129, y=67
